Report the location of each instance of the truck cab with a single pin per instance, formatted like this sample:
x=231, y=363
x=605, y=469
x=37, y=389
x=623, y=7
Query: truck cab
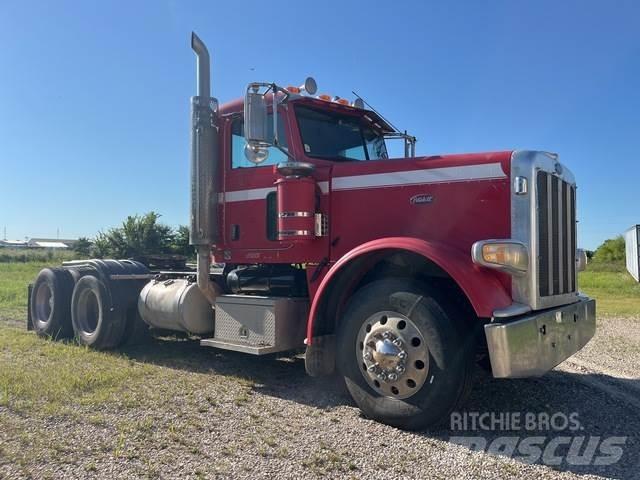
x=398, y=273
x=310, y=194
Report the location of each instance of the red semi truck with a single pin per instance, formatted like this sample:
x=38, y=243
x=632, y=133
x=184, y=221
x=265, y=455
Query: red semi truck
x=397, y=273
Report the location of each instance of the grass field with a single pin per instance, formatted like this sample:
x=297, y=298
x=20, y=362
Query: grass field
x=616, y=292
x=69, y=411
x=14, y=278
x=72, y=376
x=25, y=255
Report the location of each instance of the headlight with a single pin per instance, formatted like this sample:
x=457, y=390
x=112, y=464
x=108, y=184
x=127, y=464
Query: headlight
x=506, y=255
x=581, y=259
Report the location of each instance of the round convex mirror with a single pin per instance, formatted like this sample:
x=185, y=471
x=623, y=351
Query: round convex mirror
x=310, y=86
x=256, y=153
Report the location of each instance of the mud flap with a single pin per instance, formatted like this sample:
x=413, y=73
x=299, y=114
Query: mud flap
x=320, y=357
x=29, y=321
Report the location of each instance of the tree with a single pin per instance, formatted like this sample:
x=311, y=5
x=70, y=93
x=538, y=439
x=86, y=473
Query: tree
x=138, y=235
x=612, y=250
x=83, y=247
x=180, y=242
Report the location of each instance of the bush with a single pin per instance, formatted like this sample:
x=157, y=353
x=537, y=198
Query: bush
x=611, y=251
x=143, y=235
x=180, y=244
x=83, y=247
x=138, y=235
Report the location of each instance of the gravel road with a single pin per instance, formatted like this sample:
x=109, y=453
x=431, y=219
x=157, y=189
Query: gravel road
x=226, y=415
x=616, y=346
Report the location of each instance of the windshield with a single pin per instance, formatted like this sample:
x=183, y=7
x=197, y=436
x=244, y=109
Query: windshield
x=337, y=136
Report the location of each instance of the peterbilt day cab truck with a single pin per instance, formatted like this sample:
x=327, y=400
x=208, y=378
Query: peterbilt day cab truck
x=397, y=273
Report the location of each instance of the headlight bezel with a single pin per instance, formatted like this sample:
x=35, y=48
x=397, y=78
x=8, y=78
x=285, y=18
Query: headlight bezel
x=518, y=266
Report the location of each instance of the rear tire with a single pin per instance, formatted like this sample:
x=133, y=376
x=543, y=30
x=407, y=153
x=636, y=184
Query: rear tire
x=137, y=332
x=50, y=303
x=95, y=322
x=406, y=362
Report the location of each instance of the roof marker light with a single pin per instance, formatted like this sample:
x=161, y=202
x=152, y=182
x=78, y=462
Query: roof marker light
x=324, y=97
x=295, y=90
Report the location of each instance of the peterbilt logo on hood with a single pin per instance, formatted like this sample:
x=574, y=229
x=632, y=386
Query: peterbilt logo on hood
x=421, y=199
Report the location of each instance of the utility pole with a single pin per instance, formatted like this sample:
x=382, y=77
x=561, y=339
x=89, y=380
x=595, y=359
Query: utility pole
x=5, y=232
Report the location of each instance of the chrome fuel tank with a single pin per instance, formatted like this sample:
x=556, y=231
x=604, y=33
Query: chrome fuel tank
x=176, y=304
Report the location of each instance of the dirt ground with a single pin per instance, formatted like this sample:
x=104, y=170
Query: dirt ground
x=193, y=412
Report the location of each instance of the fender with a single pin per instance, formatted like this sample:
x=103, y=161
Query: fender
x=481, y=286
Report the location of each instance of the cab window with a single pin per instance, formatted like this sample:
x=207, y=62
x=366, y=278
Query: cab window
x=338, y=136
x=239, y=160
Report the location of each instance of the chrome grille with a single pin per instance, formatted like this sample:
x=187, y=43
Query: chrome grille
x=556, y=207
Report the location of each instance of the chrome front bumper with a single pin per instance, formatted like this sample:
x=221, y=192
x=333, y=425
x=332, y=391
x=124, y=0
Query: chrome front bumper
x=533, y=344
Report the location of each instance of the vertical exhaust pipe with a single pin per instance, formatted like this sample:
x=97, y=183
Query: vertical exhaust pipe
x=204, y=166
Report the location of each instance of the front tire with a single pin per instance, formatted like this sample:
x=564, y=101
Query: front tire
x=405, y=360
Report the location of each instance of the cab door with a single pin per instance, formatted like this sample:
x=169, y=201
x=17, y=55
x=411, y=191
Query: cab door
x=249, y=202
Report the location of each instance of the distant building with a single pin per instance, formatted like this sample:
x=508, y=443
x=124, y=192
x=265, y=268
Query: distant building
x=39, y=243
x=13, y=243
x=51, y=243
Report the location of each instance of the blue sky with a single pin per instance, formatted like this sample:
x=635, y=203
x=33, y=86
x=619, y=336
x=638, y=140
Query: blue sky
x=94, y=96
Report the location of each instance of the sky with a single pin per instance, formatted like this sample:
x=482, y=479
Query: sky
x=94, y=96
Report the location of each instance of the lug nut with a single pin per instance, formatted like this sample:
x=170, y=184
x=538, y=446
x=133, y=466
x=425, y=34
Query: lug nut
x=367, y=356
x=386, y=335
x=397, y=342
x=400, y=369
x=402, y=355
x=393, y=377
x=371, y=368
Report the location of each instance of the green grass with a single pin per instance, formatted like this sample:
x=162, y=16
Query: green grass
x=615, y=291
x=23, y=255
x=18, y=268
x=54, y=377
x=14, y=278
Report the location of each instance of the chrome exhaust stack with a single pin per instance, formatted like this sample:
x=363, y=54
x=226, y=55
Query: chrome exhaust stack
x=178, y=303
x=204, y=165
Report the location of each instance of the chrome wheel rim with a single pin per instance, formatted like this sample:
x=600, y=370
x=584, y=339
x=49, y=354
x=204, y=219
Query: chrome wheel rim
x=392, y=354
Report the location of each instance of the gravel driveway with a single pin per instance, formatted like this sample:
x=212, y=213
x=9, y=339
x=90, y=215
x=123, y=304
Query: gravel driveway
x=216, y=414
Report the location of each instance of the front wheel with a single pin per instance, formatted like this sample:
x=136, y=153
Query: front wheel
x=406, y=361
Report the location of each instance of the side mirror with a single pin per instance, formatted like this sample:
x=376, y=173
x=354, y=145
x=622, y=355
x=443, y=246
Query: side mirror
x=256, y=130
